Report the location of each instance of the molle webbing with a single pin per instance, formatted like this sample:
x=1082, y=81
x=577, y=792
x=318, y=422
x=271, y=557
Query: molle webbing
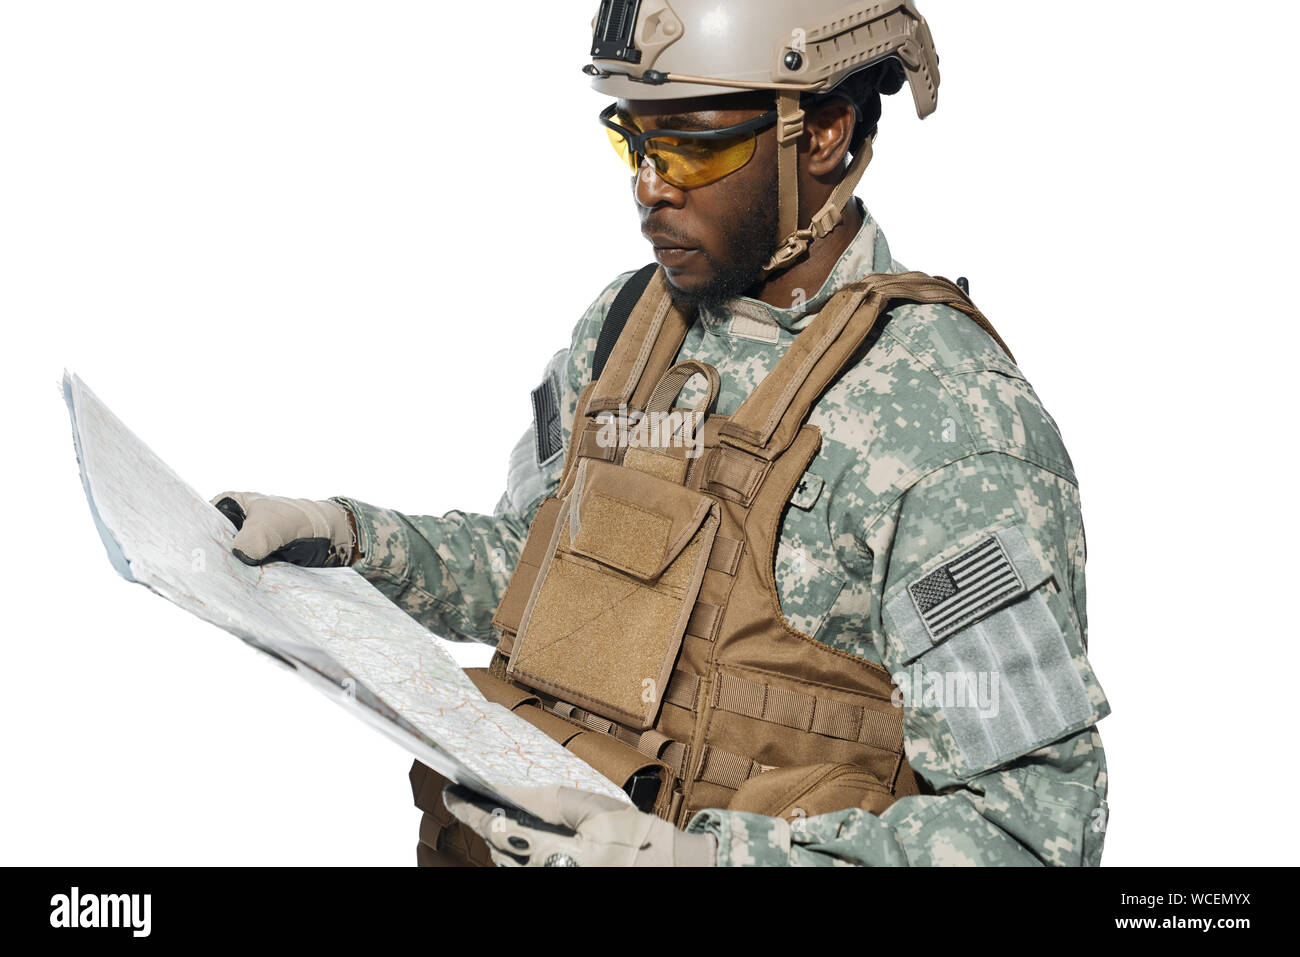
x=879, y=728
x=767, y=422
x=651, y=743
x=727, y=770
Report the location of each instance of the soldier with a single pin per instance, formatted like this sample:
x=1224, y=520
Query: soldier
x=874, y=641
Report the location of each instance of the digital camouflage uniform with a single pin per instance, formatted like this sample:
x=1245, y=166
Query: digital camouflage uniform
x=931, y=443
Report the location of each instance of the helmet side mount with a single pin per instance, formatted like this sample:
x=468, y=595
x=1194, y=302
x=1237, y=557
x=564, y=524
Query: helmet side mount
x=613, y=29
x=634, y=32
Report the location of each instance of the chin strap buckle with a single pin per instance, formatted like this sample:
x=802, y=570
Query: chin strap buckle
x=789, y=128
x=795, y=245
x=825, y=221
x=790, y=250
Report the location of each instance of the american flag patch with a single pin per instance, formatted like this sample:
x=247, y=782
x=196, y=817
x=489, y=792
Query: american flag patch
x=546, y=421
x=958, y=593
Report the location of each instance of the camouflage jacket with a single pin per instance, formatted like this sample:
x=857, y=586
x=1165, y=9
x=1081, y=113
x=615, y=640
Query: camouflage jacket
x=935, y=450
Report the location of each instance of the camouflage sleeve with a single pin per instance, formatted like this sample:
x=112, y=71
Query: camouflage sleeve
x=449, y=572
x=983, y=627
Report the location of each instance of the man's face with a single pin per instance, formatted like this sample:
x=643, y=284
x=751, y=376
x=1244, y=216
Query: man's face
x=712, y=240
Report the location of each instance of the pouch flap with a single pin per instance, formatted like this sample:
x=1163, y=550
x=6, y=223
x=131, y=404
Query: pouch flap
x=604, y=625
x=602, y=629
x=612, y=758
x=500, y=692
x=810, y=790
x=632, y=521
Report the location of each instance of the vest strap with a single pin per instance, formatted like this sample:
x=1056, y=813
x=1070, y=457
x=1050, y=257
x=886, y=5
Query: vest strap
x=659, y=746
x=683, y=690
x=704, y=621
x=734, y=475
x=728, y=770
x=616, y=318
x=646, y=348
x=590, y=447
x=725, y=555
x=767, y=422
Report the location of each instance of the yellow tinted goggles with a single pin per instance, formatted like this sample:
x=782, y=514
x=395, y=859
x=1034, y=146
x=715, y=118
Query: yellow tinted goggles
x=684, y=158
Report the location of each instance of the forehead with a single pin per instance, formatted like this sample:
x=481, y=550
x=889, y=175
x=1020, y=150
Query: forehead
x=699, y=113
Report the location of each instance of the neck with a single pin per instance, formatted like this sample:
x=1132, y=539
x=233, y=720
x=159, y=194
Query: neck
x=802, y=281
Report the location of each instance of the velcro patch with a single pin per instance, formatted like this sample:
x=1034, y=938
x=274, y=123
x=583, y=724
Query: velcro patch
x=807, y=491
x=985, y=651
x=546, y=421
x=961, y=591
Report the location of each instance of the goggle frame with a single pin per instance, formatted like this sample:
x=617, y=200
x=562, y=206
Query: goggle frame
x=637, y=141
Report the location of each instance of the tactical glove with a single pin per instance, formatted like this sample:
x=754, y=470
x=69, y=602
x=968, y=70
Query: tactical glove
x=593, y=831
x=294, y=530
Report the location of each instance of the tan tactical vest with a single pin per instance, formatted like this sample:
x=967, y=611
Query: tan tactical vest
x=642, y=627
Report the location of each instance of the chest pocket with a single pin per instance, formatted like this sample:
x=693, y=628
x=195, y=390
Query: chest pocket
x=808, y=581
x=611, y=601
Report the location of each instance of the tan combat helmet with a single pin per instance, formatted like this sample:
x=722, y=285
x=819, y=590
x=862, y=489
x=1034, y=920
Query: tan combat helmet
x=673, y=49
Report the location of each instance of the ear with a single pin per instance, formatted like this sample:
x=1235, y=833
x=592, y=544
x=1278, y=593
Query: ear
x=830, y=129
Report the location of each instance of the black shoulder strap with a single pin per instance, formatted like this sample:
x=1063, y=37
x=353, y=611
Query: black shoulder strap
x=619, y=312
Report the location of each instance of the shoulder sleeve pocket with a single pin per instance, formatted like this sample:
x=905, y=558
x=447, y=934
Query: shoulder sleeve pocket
x=985, y=652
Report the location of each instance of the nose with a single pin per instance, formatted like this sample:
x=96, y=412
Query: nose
x=651, y=190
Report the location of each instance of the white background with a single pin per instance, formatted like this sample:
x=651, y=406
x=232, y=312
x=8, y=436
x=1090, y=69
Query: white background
x=327, y=248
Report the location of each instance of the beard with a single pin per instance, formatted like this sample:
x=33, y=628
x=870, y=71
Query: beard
x=751, y=242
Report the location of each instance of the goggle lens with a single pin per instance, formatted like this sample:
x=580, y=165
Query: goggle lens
x=622, y=147
x=685, y=162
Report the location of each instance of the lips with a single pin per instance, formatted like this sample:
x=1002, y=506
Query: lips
x=673, y=257
x=671, y=252
x=667, y=241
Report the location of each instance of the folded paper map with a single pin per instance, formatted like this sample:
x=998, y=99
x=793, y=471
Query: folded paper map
x=329, y=625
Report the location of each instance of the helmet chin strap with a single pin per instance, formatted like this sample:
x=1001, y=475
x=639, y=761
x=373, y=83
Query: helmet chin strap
x=795, y=241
